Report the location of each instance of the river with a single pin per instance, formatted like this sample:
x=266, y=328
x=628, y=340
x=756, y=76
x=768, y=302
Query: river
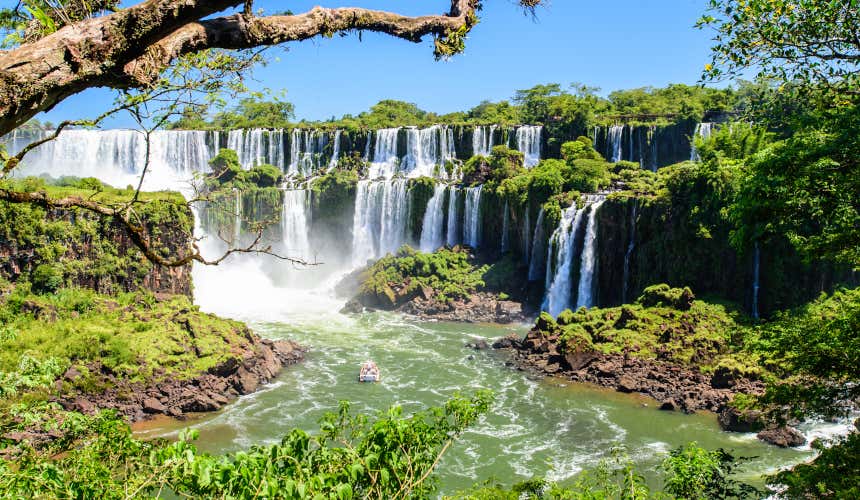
x=537, y=427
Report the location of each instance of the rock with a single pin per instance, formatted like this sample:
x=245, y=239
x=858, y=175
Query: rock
x=578, y=360
x=668, y=405
x=200, y=403
x=722, y=379
x=71, y=374
x=153, y=406
x=226, y=368
x=784, y=437
x=352, y=306
x=627, y=384
x=734, y=420
x=511, y=341
x=478, y=345
x=246, y=382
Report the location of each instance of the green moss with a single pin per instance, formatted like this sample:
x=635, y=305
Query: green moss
x=697, y=333
x=132, y=335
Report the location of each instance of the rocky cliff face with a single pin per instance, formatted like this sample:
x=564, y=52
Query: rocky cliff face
x=87, y=250
x=666, y=248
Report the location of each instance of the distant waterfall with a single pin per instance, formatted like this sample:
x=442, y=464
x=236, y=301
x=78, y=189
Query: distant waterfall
x=379, y=223
x=529, y=144
x=427, y=149
x=614, y=142
x=585, y=296
x=335, y=153
x=631, y=244
x=756, y=273
x=306, y=149
x=432, y=231
x=258, y=146
x=648, y=150
x=483, y=140
x=506, y=222
x=559, y=286
x=366, y=155
x=704, y=131
x=454, y=234
x=385, y=159
x=294, y=224
x=537, y=249
x=472, y=217
x=117, y=157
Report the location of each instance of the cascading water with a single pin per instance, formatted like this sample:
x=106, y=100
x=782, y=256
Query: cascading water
x=631, y=235
x=379, y=223
x=335, y=153
x=585, y=295
x=537, y=249
x=237, y=218
x=432, y=230
x=529, y=144
x=483, y=140
x=563, y=239
x=453, y=234
x=426, y=150
x=704, y=131
x=117, y=157
x=294, y=224
x=506, y=222
x=472, y=217
x=525, y=236
x=614, y=142
x=385, y=159
x=306, y=149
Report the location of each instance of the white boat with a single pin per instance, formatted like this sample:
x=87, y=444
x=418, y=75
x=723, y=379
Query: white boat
x=369, y=372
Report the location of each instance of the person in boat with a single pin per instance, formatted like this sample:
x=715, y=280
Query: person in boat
x=369, y=372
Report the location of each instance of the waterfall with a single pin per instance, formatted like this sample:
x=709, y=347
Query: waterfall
x=335, y=154
x=472, y=217
x=385, y=160
x=585, y=295
x=631, y=234
x=483, y=140
x=614, y=142
x=453, y=236
x=432, y=231
x=506, y=222
x=237, y=219
x=366, y=155
x=427, y=149
x=648, y=152
x=756, y=274
x=117, y=157
x=703, y=130
x=257, y=146
x=306, y=148
x=559, y=286
x=294, y=223
x=537, y=250
x=379, y=222
x=529, y=144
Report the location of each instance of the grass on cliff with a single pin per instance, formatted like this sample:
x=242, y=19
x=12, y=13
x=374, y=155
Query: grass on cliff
x=128, y=336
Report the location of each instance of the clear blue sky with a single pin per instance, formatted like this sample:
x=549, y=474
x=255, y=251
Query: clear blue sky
x=610, y=44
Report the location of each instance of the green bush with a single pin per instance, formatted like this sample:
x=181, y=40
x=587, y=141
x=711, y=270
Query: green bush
x=47, y=278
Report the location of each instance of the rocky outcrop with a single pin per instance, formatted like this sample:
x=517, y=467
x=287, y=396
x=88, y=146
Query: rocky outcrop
x=94, y=251
x=241, y=374
x=674, y=387
x=480, y=307
x=783, y=436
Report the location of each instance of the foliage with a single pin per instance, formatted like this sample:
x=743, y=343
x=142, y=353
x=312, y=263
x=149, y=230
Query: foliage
x=679, y=101
x=47, y=278
x=351, y=456
x=806, y=188
x=227, y=173
x=814, y=352
x=693, y=472
x=811, y=42
x=834, y=473
x=132, y=335
x=449, y=272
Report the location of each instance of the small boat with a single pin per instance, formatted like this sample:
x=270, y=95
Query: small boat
x=369, y=372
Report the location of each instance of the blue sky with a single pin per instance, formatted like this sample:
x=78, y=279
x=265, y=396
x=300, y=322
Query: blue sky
x=611, y=44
